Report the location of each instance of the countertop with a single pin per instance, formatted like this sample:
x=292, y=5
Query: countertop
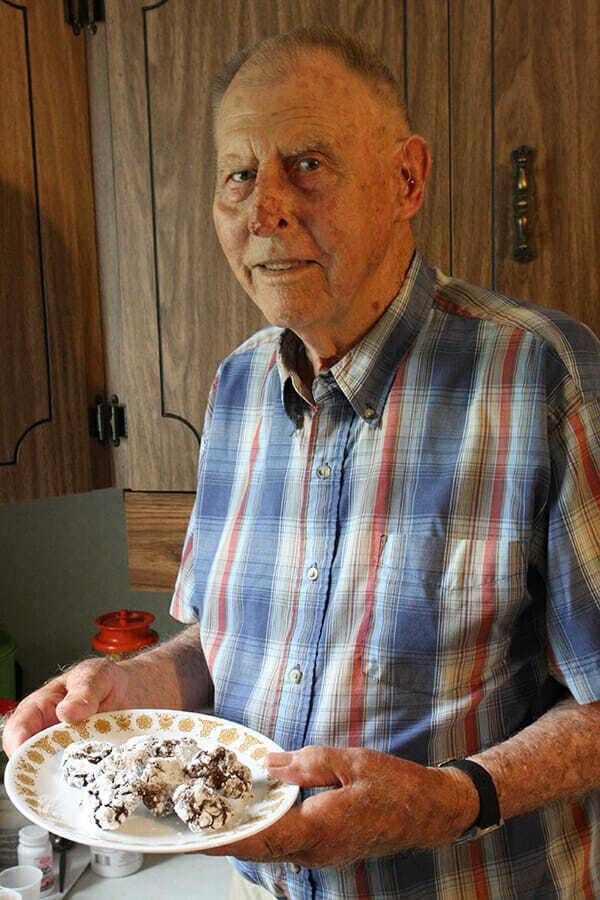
x=162, y=876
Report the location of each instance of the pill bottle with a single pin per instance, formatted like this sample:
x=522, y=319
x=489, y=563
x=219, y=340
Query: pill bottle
x=35, y=849
x=115, y=863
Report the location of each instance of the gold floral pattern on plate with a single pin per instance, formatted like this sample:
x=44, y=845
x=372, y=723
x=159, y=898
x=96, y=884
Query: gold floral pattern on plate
x=228, y=736
x=103, y=726
x=123, y=721
x=63, y=738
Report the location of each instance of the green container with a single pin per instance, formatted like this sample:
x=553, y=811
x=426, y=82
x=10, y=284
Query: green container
x=8, y=649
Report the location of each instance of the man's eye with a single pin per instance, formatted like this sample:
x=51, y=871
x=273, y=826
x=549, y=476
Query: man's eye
x=241, y=177
x=309, y=164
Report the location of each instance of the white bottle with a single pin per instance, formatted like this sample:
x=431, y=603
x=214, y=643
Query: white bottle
x=115, y=863
x=35, y=849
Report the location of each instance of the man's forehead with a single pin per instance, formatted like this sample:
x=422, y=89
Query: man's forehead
x=294, y=125
x=302, y=66
x=312, y=79
x=311, y=105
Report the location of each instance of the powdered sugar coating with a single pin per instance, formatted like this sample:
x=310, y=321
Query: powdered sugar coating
x=81, y=760
x=134, y=753
x=182, y=749
x=111, y=798
x=160, y=777
x=221, y=770
x=200, y=807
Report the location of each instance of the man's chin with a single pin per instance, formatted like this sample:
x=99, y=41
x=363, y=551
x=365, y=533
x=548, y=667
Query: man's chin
x=295, y=313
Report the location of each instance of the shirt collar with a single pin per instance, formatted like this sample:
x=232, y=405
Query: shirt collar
x=365, y=374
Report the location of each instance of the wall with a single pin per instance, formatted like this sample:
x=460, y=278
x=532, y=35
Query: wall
x=64, y=562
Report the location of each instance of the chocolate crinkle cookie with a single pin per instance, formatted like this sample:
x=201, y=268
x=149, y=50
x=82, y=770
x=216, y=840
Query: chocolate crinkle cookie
x=169, y=774
x=182, y=749
x=160, y=777
x=200, y=807
x=134, y=753
x=111, y=798
x=221, y=770
x=81, y=760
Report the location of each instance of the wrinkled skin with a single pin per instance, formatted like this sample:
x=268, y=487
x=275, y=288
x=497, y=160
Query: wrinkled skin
x=315, y=170
x=95, y=685
x=377, y=805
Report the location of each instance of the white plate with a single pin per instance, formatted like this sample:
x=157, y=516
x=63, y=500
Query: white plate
x=34, y=784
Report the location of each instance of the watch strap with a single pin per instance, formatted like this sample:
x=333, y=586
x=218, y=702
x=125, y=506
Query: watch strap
x=489, y=807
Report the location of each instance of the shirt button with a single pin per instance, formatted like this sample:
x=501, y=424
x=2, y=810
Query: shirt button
x=369, y=412
x=324, y=471
x=294, y=869
x=296, y=676
x=313, y=573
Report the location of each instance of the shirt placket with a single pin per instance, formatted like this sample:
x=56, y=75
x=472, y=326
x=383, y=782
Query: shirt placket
x=326, y=447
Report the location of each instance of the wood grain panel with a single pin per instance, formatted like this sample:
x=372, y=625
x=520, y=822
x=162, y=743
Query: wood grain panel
x=428, y=107
x=156, y=525
x=58, y=456
x=154, y=445
x=548, y=87
x=471, y=141
x=24, y=373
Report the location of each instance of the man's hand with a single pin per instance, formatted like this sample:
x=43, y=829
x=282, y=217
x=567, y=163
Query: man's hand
x=95, y=685
x=377, y=805
x=173, y=675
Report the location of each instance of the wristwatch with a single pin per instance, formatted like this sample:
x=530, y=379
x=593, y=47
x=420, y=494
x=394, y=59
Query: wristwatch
x=489, y=817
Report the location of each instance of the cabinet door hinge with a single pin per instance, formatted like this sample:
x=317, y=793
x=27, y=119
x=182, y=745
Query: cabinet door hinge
x=108, y=421
x=81, y=14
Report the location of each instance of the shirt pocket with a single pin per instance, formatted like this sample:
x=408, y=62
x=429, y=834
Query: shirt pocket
x=445, y=604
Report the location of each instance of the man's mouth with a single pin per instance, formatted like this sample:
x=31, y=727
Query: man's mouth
x=283, y=265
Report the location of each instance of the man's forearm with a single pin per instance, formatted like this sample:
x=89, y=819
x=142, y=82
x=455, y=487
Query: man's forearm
x=555, y=758
x=174, y=675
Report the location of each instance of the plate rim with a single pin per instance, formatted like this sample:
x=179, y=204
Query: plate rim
x=217, y=840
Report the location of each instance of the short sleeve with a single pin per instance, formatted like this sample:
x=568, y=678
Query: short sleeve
x=181, y=607
x=181, y=603
x=573, y=560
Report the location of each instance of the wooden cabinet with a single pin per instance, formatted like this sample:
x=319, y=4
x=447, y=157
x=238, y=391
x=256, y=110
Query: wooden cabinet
x=527, y=73
x=51, y=365
x=481, y=78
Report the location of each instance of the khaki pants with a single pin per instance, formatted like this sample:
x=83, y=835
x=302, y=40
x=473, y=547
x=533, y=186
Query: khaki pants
x=242, y=889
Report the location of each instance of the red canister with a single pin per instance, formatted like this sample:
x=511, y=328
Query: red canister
x=124, y=632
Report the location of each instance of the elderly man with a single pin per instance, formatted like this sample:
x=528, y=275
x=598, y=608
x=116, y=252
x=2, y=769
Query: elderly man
x=394, y=551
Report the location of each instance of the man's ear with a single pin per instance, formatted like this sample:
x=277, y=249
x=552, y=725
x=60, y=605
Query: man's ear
x=412, y=164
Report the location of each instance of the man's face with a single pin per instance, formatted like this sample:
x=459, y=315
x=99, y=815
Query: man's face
x=304, y=204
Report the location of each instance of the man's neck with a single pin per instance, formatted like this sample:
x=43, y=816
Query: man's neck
x=323, y=350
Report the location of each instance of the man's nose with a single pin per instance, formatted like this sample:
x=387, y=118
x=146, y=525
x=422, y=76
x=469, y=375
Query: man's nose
x=271, y=208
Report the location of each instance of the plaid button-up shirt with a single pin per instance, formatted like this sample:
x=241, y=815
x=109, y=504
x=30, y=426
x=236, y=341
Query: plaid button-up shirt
x=411, y=563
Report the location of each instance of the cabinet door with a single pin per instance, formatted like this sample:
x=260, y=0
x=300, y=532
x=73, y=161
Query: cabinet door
x=548, y=97
x=173, y=309
x=527, y=74
x=50, y=344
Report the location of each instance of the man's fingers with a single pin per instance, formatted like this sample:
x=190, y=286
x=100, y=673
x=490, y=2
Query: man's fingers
x=32, y=715
x=310, y=767
x=80, y=692
x=85, y=691
x=90, y=687
x=77, y=706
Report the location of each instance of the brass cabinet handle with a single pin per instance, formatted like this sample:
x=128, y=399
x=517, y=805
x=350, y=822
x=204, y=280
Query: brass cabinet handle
x=522, y=204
